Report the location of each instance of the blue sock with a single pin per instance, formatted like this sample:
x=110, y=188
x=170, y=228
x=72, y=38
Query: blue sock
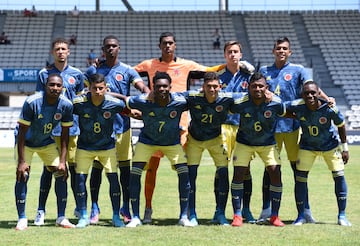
x=237, y=193
x=340, y=191
x=114, y=192
x=275, y=196
x=300, y=192
x=45, y=185
x=124, y=181
x=223, y=188
x=72, y=179
x=20, y=196
x=183, y=187
x=192, y=194
x=306, y=199
x=81, y=193
x=247, y=190
x=135, y=187
x=265, y=190
x=61, y=195
x=95, y=182
x=216, y=189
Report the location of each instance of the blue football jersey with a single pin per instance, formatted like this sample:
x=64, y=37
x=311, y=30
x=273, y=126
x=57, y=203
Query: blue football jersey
x=119, y=78
x=207, y=118
x=258, y=122
x=286, y=83
x=96, y=122
x=318, y=132
x=233, y=83
x=73, y=83
x=161, y=124
x=43, y=118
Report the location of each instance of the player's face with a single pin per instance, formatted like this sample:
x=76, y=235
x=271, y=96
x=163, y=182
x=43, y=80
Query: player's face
x=257, y=89
x=60, y=52
x=98, y=89
x=167, y=45
x=211, y=89
x=311, y=94
x=111, y=48
x=162, y=89
x=54, y=87
x=282, y=52
x=232, y=54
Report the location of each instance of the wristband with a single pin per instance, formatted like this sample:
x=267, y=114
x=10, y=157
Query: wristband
x=345, y=147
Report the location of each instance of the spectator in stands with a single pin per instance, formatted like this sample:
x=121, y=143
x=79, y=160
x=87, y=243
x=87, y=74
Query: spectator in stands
x=92, y=57
x=75, y=12
x=4, y=39
x=216, y=39
x=73, y=39
x=30, y=13
x=27, y=13
x=33, y=11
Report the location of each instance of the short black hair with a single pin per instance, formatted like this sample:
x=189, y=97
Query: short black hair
x=166, y=34
x=281, y=40
x=161, y=75
x=54, y=75
x=110, y=37
x=58, y=41
x=96, y=78
x=256, y=76
x=210, y=76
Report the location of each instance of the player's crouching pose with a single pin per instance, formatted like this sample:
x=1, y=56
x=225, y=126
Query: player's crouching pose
x=319, y=138
x=161, y=132
x=96, y=112
x=40, y=114
x=256, y=134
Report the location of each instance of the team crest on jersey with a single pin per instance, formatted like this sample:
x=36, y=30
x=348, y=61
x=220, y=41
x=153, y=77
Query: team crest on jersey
x=71, y=80
x=173, y=114
x=107, y=114
x=322, y=120
x=244, y=84
x=57, y=116
x=176, y=72
x=119, y=77
x=219, y=108
x=287, y=77
x=267, y=114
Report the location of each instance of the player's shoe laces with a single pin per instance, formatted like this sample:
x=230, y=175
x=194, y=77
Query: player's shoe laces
x=40, y=218
x=22, y=224
x=237, y=220
x=275, y=221
x=125, y=213
x=83, y=222
x=194, y=221
x=134, y=222
x=300, y=220
x=117, y=222
x=64, y=222
x=77, y=213
x=94, y=216
x=265, y=214
x=342, y=220
x=221, y=219
x=185, y=222
x=147, y=216
x=308, y=216
x=247, y=216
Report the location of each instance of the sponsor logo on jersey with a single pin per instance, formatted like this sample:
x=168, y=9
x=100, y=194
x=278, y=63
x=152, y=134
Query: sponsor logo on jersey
x=107, y=114
x=267, y=114
x=288, y=77
x=152, y=114
x=119, y=77
x=198, y=107
x=247, y=115
x=219, y=108
x=173, y=114
x=86, y=116
x=71, y=80
x=40, y=116
x=322, y=120
x=57, y=116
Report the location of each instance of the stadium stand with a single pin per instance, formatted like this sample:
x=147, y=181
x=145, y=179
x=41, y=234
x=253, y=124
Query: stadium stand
x=326, y=41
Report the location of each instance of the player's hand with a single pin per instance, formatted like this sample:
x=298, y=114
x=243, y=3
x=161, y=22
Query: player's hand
x=268, y=96
x=331, y=102
x=22, y=171
x=345, y=156
x=151, y=96
x=246, y=66
x=62, y=170
x=136, y=114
